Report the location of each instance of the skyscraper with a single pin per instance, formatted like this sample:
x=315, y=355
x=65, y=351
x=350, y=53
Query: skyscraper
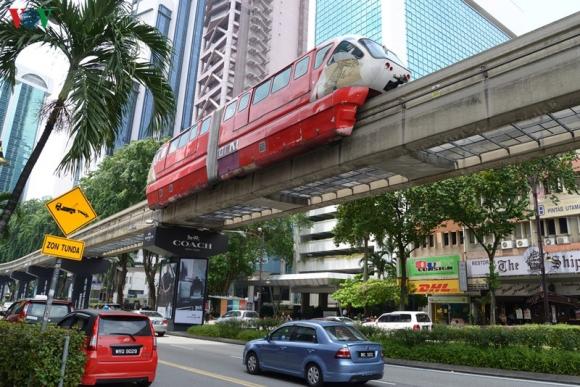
x=427, y=35
x=19, y=124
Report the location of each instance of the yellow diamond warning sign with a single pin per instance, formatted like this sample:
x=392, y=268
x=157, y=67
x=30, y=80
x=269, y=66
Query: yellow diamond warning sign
x=63, y=248
x=71, y=211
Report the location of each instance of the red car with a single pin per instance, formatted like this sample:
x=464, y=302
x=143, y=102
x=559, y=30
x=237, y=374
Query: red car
x=121, y=346
x=31, y=310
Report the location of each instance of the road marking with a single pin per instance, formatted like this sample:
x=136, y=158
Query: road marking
x=382, y=382
x=236, y=357
x=211, y=374
x=547, y=383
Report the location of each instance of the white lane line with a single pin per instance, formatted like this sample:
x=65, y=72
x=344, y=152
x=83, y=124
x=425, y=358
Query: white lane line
x=484, y=376
x=380, y=381
x=236, y=357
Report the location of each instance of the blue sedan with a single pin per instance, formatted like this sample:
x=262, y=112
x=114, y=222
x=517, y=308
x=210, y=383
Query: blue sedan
x=319, y=351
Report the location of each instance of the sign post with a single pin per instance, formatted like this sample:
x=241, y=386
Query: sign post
x=71, y=211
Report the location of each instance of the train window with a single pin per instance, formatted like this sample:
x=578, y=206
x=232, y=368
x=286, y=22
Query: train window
x=193, y=133
x=262, y=91
x=205, y=126
x=320, y=56
x=375, y=49
x=301, y=67
x=183, y=139
x=244, y=102
x=173, y=145
x=345, y=50
x=281, y=80
x=230, y=110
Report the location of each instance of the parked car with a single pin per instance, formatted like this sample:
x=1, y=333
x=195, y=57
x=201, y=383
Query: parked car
x=159, y=322
x=238, y=315
x=318, y=351
x=402, y=320
x=108, y=306
x=121, y=346
x=344, y=320
x=31, y=310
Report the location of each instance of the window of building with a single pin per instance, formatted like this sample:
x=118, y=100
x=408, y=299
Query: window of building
x=453, y=238
x=281, y=80
x=460, y=237
x=230, y=110
x=431, y=240
x=301, y=67
x=205, y=126
x=424, y=244
x=471, y=237
x=320, y=56
x=563, y=223
x=445, y=239
x=262, y=91
x=549, y=227
x=244, y=102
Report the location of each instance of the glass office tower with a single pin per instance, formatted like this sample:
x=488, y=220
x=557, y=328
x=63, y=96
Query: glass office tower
x=428, y=35
x=19, y=114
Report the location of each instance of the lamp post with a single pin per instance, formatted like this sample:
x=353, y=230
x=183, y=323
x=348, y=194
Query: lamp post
x=261, y=258
x=534, y=186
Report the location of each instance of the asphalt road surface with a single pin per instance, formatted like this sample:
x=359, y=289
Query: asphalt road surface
x=189, y=362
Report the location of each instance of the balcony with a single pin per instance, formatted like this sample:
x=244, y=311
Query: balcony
x=323, y=247
x=324, y=226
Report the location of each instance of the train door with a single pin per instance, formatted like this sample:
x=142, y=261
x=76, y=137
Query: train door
x=241, y=117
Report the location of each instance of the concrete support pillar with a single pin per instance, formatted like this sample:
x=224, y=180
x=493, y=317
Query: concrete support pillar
x=43, y=276
x=80, y=297
x=88, y=286
x=23, y=279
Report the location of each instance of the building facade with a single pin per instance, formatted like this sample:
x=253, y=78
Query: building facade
x=427, y=36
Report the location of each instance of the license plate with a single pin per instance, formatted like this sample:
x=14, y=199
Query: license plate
x=366, y=355
x=126, y=351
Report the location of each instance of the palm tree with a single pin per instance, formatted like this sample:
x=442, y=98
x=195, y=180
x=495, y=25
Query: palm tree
x=102, y=42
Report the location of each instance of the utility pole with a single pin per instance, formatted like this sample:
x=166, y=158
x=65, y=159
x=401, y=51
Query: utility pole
x=261, y=258
x=50, y=298
x=546, y=307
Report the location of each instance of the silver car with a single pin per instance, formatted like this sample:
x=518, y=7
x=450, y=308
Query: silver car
x=239, y=315
x=159, y=322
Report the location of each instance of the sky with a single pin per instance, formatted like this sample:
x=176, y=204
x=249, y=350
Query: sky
x=522, y=16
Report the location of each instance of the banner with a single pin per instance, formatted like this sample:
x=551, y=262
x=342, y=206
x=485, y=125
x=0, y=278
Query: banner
x=433, y=267
x=450, y=286
x=190, y=297
x=166, y=287
x=566, y=262
x=174, y=241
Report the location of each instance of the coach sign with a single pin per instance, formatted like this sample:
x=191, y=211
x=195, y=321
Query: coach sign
x=173, y=241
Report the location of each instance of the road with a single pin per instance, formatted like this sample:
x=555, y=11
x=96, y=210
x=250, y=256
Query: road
x=189, y=362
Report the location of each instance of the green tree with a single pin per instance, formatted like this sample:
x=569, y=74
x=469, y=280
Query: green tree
x=119, y=181
x=488, y=204
x=102, y=42
x=28, y=226
x=357, y=293
x=151, y=264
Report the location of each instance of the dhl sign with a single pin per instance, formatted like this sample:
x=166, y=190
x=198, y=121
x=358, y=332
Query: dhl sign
x=434, y=287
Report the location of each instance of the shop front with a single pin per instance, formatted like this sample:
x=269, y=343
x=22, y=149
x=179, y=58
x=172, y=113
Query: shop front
x=438, y=278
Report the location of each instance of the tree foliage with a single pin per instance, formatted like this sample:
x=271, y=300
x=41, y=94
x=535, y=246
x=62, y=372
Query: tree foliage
x=357, y=293
x=119, y=181
x=103, y=44
x=28, y=227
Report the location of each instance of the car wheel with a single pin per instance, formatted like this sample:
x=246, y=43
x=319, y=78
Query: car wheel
x=313, y=375
x=160, y=334
x=252, y=363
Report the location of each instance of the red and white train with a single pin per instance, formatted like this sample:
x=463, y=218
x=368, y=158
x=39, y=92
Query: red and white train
x=310, y=102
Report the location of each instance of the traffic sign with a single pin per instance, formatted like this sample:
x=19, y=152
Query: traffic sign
x=71, y=211
x=63, y=247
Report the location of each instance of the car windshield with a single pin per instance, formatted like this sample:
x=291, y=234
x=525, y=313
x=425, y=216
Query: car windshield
x=56, y=310
x=344, y=333
x=252, y=314
x=150, y=313
x=124, y=325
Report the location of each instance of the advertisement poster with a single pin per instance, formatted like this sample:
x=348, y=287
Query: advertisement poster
x=166, y=287
x=433, y=267
x=190, y=291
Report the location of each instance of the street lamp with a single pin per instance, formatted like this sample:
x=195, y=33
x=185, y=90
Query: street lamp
x=533, y=183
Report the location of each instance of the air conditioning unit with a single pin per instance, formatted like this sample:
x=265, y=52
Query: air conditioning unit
x=549, y=241
x=562, y=240
x=522, y=243
x=507, y=244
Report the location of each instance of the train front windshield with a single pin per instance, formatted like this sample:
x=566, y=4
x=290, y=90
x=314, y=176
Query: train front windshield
x=379, y=52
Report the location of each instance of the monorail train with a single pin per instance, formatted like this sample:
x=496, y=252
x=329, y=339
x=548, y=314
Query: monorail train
x=308, y=103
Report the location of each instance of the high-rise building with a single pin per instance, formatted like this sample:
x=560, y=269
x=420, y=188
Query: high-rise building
x=19, y=124
x=243, y=42
x=427, y=36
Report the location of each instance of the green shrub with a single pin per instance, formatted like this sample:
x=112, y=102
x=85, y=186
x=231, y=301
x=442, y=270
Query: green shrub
x=27, y=356
x=250, y=334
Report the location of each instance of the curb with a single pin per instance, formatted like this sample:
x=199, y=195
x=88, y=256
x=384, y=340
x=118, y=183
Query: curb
x=536, y=376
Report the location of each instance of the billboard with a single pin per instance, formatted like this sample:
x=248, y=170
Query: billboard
x=166, y=288
x=433, y=267
x=190, y=292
